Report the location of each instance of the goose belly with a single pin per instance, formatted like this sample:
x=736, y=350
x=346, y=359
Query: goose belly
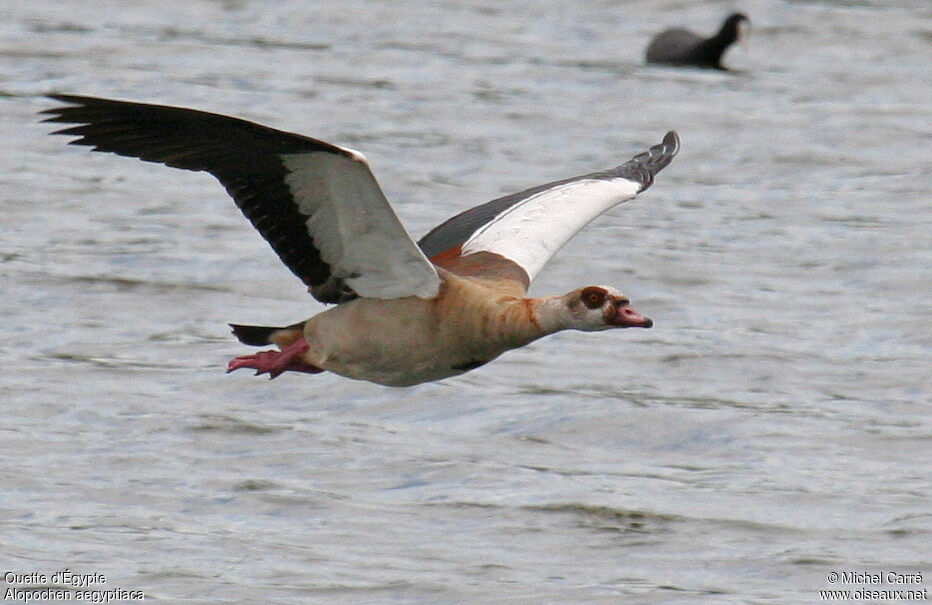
x=395, y=342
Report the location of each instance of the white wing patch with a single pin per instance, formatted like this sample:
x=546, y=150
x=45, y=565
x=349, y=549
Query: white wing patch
x=533, y=230
x=354, y=227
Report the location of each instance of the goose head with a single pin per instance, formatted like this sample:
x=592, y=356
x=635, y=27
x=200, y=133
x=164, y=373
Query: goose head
x=594, y=308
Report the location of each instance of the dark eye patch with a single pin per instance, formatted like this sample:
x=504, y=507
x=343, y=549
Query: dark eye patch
x=593, y=297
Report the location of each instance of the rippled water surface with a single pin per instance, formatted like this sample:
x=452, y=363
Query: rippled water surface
x=774, y=426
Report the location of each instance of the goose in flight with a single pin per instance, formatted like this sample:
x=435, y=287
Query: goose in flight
x=680, y=46
x=405, y=313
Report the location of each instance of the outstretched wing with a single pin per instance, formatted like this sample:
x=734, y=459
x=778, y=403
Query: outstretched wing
x=317, y=204
x=517, y=234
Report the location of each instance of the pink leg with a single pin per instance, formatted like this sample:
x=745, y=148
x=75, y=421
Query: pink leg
x=276, y=362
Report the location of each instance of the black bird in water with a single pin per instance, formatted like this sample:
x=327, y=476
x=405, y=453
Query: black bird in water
x=682, y=47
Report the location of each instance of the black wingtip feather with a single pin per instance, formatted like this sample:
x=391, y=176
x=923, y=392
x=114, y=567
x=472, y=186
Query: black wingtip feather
x=643, y=167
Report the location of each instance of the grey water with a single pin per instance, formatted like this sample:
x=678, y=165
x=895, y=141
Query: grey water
x=771, y=429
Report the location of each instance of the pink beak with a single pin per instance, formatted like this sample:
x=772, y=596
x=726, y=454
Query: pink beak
x=626, y=317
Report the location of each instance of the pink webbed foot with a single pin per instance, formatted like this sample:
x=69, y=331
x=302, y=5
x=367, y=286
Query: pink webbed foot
x=275, y=362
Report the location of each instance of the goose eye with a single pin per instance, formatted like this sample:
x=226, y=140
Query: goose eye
x=593, y=298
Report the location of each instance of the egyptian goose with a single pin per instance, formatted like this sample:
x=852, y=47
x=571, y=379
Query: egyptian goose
x=682, y=47
x=405, y=313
